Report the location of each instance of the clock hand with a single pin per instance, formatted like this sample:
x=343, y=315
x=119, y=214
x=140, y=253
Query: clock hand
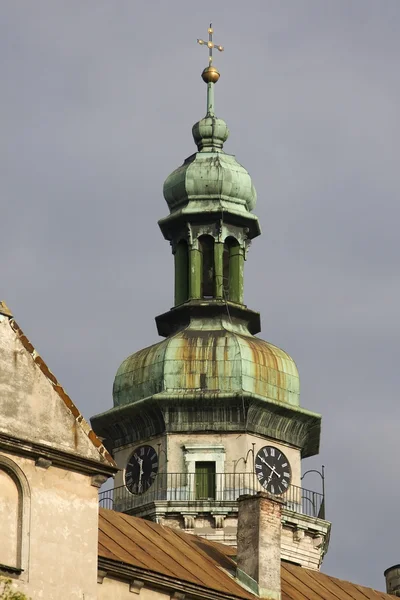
x=140, y=486
x=273, y=472
x=140, y=463
x=264, y=461
x=269, y=466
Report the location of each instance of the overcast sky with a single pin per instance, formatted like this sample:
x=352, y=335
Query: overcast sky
x=97, y=104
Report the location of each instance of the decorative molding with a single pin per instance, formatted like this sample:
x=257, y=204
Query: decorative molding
x=219, y=520
x=298, y=534
x=318, y=541
x=59, y=458
x=100, y=575
x=290, y=424
x=204, y=448
x=135, y=586
x=189, y=521
x=98, y=480
x=43, y=463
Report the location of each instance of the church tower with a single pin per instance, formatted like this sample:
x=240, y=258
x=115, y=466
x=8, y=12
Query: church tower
x=212, y=412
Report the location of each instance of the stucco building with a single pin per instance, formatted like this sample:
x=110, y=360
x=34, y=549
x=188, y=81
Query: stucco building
x=204, y=441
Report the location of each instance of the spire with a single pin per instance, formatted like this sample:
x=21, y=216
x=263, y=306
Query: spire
x=210, y=74
x=210, y=133
x=210, y=225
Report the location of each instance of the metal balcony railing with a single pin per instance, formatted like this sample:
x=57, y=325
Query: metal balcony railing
x=208, y=491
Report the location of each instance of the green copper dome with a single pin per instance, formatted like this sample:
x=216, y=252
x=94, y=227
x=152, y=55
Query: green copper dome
x=212, y=361
x=211, y=373
x=210, y=133
x=210, y=178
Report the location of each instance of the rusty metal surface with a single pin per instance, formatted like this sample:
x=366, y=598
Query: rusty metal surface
x=299, y=583
x=167, y=551
x=210, y=565
x=214, y=360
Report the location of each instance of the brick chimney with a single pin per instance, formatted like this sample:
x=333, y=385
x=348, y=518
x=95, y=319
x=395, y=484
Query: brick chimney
x=259, y=544
x=392, y=576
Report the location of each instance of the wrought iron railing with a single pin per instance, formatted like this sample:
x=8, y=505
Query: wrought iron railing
x=208, y=491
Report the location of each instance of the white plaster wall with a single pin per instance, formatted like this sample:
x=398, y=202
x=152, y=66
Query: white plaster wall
x=236, y=446
x=30, y=408
x=63, y=534
x=119, y=590
x=229, y=450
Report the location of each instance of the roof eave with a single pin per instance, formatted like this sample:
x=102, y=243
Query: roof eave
x=128, y=572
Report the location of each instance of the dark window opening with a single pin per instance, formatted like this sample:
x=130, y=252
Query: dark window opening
x=206, y=244
x=181, y=272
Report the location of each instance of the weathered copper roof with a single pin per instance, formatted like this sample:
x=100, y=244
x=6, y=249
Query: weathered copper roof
x=210, y=178
x=208, y=565
x=208, y=360
x=207, y=180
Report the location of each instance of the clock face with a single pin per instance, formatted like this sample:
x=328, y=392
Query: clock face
x=141, y=469
x=273, y=470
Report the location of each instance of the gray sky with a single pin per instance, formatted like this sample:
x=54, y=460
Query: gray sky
x=98, y=101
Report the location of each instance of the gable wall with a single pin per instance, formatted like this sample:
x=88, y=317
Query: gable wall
x=60, y=548
x=30, y=407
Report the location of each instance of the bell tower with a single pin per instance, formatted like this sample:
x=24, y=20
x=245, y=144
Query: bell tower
x=210, y=225
x=212, y=411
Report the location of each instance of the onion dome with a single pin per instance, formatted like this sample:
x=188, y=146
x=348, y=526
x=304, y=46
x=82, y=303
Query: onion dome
x=210, y=134
x=217, y=362
x=210, y=178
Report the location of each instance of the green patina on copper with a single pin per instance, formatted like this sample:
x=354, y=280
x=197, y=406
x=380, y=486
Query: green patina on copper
x=211, y=373
x=210, y=180
x=209, y=360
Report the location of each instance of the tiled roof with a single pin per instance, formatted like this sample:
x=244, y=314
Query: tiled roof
x=177, y=555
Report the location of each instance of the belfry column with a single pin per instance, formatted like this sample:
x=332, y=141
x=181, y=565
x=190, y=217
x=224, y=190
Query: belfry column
x=194, y=271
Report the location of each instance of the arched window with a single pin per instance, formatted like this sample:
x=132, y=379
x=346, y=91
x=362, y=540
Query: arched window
x=181, y=272
x=10, y=509
x=14, y=518
x=231, y=273
x=206, y=246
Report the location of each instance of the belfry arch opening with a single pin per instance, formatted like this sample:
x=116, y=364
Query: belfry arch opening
x=207, y=268
x=181, y=272
x=232, y=271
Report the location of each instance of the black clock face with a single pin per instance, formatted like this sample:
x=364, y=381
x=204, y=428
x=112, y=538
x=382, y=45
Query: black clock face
x=141, y=469
x=273, y=470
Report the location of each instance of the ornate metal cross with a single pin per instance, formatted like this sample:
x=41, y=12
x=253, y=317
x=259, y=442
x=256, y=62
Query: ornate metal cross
x=210, y=45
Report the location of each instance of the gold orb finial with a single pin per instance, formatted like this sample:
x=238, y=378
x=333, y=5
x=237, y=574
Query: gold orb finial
x=210, y=75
